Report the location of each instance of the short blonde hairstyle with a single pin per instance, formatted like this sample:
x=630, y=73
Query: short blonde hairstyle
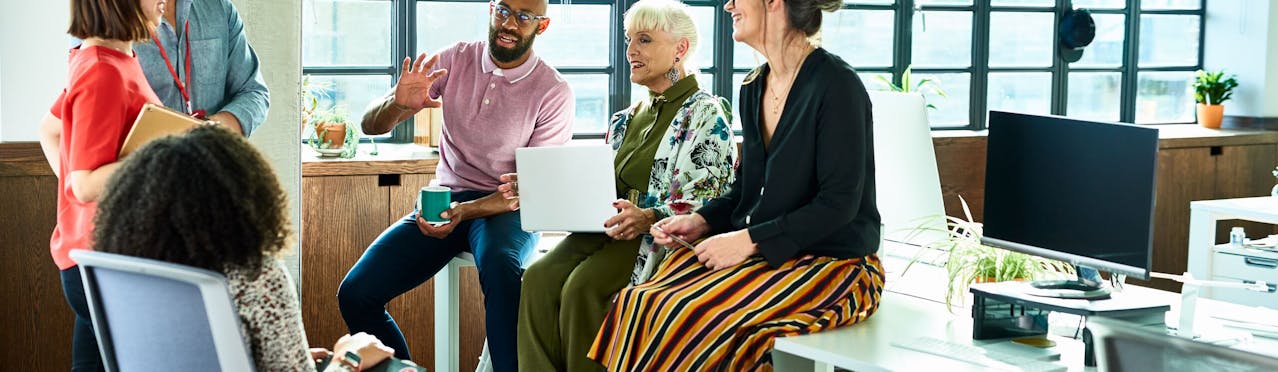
x=665, y=15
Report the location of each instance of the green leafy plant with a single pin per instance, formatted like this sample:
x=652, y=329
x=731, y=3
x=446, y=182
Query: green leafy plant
x=924, y=85
x=350, y=139
x=312, y=90
x=1213, y=88
x=968, y=261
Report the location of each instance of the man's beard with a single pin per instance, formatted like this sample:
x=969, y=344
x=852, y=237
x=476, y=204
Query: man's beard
x=504, y=55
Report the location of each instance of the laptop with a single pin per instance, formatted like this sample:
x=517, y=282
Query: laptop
x=566, y=188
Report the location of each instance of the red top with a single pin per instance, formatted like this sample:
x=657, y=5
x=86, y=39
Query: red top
x=105, y=91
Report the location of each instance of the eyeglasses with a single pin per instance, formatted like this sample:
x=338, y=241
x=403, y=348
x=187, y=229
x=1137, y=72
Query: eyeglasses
x=501, y=13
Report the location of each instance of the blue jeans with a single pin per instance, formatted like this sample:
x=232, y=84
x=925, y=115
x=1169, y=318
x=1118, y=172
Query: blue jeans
x=402, y=259
x=85, y=355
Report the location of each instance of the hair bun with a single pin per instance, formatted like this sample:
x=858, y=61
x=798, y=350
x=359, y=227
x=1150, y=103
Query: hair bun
x=829, y=6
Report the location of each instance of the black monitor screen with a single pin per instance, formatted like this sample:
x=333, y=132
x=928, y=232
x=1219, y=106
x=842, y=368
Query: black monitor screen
x=1072, y=190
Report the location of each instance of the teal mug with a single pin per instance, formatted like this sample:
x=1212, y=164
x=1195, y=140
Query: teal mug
x=433, y=201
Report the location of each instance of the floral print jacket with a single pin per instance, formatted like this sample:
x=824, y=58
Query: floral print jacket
x=693, y=165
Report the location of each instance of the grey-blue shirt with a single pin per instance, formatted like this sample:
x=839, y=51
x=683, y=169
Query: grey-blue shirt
x=226, y=70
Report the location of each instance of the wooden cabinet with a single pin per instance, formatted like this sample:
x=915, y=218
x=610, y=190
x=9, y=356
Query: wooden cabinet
x=347, y=204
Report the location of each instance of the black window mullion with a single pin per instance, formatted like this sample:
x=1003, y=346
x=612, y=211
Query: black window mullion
x=1131, y=57
x=980, y=66
x=619, y=92
x=904, y=43
x=1060, y=69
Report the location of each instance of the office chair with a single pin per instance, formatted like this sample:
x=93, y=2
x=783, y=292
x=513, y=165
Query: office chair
x=1122, y=346
x=155, y=315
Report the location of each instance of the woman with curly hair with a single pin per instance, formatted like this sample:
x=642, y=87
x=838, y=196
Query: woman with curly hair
x=673, y=151
x=792, y=248
x=208, y=199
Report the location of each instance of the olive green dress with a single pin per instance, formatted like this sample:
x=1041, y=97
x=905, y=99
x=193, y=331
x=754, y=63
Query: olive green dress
x=566, y=293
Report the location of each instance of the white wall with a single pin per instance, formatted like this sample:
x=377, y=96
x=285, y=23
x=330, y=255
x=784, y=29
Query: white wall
x=274, y=29
x=1242, y=38
x=34, y=51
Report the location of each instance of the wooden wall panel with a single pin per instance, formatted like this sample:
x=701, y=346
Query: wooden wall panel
x=961, y=164
x=341, y=215
x=37, y=325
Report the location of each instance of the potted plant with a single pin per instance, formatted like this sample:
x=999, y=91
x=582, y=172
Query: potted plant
x=332, y=136
x=968, y=261
x=921, y=86
x=1211, y=90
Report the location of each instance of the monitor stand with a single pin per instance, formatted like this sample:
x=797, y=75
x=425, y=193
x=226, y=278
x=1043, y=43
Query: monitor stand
x=1088, y=285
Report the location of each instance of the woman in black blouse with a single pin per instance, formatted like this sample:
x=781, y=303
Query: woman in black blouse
x=791, y=249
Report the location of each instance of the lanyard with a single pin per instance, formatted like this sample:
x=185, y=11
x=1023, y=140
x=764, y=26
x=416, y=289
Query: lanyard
x=182, y=87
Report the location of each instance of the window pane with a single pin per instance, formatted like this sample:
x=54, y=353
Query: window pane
x=346, y=32
x=592, y=102
x=574, y=30
x=952, y=111
x=947, y=41
x=1170, y=4
x=871, y=81
x=1021, y=39
x=1168, y=40
x=861, y=37
x=1106, y=49
x=638, y=92
x=703, y=16
x=441, y=24
x=1101, y=4
x=944, y=2
x=1024, y=92
x=743, y=56
x=737, y=78
x=1164, y=97
x=1095, y=95
x=348, y=95
x=1038, y=3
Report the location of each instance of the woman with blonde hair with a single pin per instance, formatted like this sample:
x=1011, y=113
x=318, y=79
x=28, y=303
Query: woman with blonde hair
x=792, y=248
x=672, y=152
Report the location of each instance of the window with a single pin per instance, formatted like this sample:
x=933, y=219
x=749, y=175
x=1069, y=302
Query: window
x=985, y=54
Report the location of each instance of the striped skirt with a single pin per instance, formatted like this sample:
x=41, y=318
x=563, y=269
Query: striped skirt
x=689, y=318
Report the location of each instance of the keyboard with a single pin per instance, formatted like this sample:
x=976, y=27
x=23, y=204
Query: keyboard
x=978, y=356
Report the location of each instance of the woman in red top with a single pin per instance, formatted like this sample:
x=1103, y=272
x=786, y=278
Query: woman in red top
x=82, y=134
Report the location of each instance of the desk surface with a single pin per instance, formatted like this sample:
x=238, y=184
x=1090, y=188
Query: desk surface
x=868, y=346
x=1261, y=208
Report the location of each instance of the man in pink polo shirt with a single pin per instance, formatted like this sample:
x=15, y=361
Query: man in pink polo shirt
x=496, y=96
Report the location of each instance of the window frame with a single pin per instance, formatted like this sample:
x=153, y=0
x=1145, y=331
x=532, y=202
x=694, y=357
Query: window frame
x=722, y=68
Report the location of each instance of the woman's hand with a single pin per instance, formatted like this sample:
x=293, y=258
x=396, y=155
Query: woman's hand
x=629, y=222
x=688, y=227
x=726, y=250
x=318, y=354
x=509, y=189
x=370, y=349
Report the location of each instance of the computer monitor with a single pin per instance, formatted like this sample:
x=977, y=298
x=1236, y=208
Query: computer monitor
x=1072, y=190
x=1122, y=346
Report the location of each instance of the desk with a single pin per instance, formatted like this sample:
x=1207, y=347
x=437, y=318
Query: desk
x=868, y=346
x=1202, y=233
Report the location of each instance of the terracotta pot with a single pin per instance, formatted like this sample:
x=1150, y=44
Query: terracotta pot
x=332, y=133
x=1209, y=116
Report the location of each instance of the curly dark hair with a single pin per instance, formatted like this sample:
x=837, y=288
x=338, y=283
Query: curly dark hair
x=205, y=198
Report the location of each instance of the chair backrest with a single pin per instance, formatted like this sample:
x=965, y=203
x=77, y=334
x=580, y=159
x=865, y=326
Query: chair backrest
x=1126, y=347
x=907, y=183
x=155, y=315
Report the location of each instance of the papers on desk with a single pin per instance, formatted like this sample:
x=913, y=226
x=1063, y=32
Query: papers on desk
x=1261, y=322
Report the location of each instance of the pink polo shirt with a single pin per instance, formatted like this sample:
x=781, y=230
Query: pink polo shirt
x=489, y=112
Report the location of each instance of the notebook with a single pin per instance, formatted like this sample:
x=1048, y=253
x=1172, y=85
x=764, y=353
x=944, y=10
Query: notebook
x=155, y=121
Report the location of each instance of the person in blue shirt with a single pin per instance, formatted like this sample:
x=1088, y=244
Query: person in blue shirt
x=199, y=54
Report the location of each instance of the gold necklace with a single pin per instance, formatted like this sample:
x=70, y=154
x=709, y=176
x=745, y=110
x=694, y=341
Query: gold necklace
x=777, y=103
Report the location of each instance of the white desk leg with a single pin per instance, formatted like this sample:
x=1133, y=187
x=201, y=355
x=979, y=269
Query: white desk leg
x=447, y=292
x=1202, y=237
x=783, y=361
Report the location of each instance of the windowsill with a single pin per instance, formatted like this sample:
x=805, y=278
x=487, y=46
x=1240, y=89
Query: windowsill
x=391, y=158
